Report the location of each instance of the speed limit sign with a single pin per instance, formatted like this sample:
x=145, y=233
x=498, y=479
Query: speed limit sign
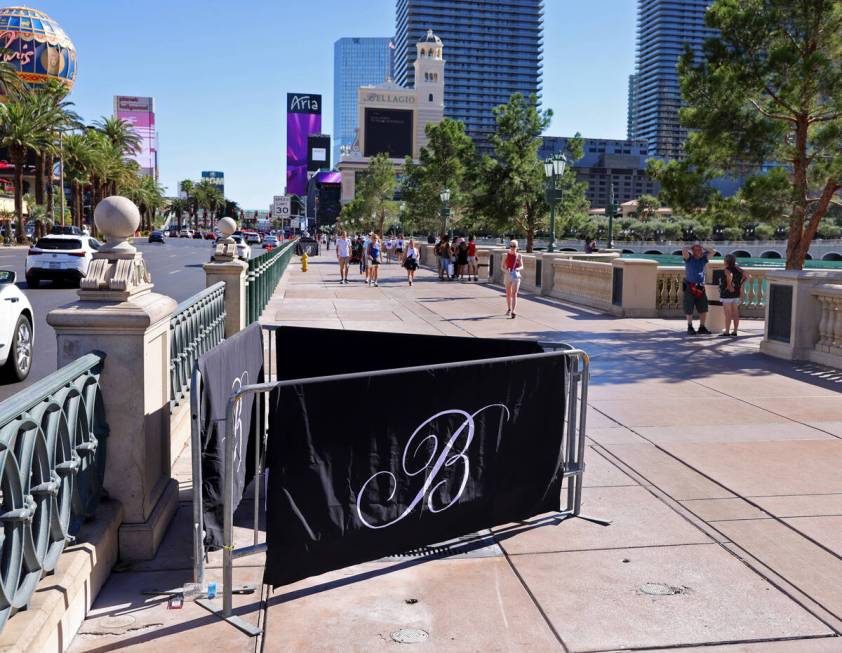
x=281, y=206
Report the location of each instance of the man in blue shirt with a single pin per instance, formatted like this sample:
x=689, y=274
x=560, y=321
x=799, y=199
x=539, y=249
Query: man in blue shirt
x=695, y=260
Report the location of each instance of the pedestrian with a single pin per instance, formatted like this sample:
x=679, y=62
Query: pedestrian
x=730, y=291
x=399, y=247
x=374, y=259
x=357, y=252
x=411, y=261
x=366, y=263
x=590, y=246
x=695, y=260
x=473, y=268
x=390, y=249
x=454, y=253
x=512, y=265
x=343, y=255
x=443, y=255
x=462, y=259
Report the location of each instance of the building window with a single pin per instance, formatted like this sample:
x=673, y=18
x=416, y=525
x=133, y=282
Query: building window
x=431, y=97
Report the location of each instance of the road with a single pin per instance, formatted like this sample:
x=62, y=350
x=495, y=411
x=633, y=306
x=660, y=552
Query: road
x=176, y=270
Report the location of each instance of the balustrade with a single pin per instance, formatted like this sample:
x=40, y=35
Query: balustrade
x=829, y=297
x=52, y=463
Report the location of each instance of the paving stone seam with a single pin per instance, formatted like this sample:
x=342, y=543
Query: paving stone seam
x=767, y=410
x=722, y=485
x=742, y=554
x=609, y=548
x=730, y=642
x=535, y=601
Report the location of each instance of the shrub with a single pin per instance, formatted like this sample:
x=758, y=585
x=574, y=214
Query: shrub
x=828, y=231
x=764, y=231
x=732, y=233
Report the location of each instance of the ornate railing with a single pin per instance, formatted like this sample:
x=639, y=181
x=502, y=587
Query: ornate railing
x=829, y=297
x=197, y=325
x=264, y=273
x=669, y=291
x=52, y=462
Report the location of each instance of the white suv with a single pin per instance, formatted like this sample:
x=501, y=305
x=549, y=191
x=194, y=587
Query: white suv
x=17, y=337
x=58, y=257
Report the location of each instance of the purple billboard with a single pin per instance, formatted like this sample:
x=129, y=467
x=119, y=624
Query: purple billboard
x=304, y=117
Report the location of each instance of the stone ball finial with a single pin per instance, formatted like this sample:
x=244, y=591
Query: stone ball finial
x=117, y=218
x=227, y=226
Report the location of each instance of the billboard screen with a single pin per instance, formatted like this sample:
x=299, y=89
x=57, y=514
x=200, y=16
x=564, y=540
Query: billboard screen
x=318, y=152
x=216, y=177
x=139, y=112
x=304, y=117
x=388, y=130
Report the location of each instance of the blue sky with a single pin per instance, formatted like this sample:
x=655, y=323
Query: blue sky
x=220, y=71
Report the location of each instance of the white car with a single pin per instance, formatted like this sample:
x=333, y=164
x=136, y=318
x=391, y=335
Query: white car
x=17, y=337
x=253, y=238
x=59, y=257
x=185, y=233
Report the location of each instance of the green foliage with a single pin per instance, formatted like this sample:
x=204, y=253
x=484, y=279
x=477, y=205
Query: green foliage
x=732, y=233
x=647, y=206
x=764, y=232
x=511, y=185
x=372, y=197
x=828, y=230
x=448, y=161
x=769, y=88
x=685, y=186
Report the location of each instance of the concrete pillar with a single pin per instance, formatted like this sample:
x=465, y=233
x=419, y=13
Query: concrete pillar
x=118, y=315
x=233, y=273
x=639, y=291
x=228, y=268
x=792, y=312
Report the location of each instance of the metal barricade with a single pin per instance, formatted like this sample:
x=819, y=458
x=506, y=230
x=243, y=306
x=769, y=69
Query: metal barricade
x=573, y=444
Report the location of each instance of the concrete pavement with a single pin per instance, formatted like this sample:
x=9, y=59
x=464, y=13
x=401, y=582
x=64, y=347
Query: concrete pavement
x=720, y=469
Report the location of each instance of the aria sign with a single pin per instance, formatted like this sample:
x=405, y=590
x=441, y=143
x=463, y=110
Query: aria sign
x=300, y=103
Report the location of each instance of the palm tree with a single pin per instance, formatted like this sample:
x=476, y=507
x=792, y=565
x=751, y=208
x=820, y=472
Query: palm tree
x=209, y=197
x=79, y=159
x=121, y=133
x=24, y=128
x=177, y=207
x=60, y=116
x=188, y=188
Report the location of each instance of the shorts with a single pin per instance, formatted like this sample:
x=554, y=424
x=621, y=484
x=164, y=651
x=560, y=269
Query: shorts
x=691, y=301
x=375, y=262
x=507, y=278
x=730, y=300
x=343, y=260
x=472, y=259
x=399, y=250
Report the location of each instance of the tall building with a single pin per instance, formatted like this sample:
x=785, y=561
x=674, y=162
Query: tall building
x=356, y=62
x=631, y=120
x=606, y=162
x=664, y=28
x=494, y=49
x=393, y=119
x=139, y=112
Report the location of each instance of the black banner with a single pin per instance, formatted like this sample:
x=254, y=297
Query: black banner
x=236, y=362
x=366, y=467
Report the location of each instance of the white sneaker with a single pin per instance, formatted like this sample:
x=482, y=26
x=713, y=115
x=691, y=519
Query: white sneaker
x=375, y=284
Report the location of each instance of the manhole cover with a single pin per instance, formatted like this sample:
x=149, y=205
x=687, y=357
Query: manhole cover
x=660, y=589
x=409, y=636
x=121, y=621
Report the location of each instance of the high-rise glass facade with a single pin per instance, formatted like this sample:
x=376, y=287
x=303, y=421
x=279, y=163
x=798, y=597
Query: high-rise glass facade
x=664, y=28
x=356, y=62
x=493, y=50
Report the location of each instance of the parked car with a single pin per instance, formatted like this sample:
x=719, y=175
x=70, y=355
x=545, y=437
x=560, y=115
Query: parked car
x=270, y=241
x=197, y=235
x=185, y=233
x=156, y=237
x=17, y=337
x=173, y=233
x=59, y=257
x=252, y=237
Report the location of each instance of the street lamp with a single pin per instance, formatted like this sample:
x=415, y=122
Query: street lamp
x=611, y=210
x=445, y=210
x=554, y=168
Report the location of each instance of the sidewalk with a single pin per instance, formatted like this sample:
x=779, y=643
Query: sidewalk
x=720, y=469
